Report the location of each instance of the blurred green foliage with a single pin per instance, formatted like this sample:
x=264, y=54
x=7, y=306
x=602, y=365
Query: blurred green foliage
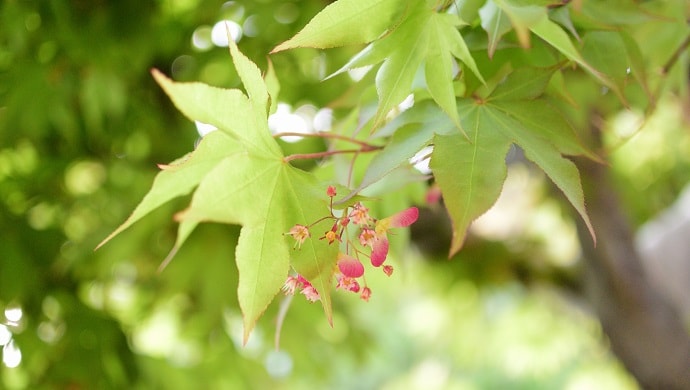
x=82, y=125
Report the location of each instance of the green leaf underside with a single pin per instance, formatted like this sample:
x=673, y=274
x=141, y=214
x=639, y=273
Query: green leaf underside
x=281, y=196
x=471, y=174
x=242, y=165
x=345, y=22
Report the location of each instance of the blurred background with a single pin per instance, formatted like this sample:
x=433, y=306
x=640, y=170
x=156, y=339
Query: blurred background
x=82, y=127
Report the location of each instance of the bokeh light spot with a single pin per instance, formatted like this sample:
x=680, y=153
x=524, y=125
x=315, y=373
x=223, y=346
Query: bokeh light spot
x=11, y=355
x=219, y=34
x=278, y=364
x=84, y=177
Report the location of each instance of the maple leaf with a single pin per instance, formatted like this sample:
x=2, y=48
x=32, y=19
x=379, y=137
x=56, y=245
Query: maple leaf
x=421, y=37
x=242, y=165
x=471, y=172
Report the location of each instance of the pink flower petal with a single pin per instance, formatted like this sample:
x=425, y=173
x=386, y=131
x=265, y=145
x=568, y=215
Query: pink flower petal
x=404, y=218
x=379, y=251
x=349, y=266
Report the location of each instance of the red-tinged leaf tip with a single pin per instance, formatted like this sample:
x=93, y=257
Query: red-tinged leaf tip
x=380, y=251
x=404, y=218
x=349, y=266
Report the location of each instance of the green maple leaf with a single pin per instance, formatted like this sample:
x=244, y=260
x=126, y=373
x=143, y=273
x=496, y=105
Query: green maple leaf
x=422, y=37
x=471, y=171
x=241, y=177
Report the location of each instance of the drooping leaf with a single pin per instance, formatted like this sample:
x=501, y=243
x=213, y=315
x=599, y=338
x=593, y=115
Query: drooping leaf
x=345, y=22
x=561, y=171
x=546, y=120
x=470, y=173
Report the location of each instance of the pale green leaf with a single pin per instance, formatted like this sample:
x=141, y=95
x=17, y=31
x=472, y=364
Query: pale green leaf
x=252, y=80
x=346, y=22
x=262, y=259
x=227, y=109
x=281, y=196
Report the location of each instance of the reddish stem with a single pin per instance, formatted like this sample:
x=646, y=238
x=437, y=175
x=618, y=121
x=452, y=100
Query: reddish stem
x=324, y=135
x=304, y=156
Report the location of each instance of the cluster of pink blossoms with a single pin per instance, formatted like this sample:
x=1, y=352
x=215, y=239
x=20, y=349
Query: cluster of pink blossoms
x=373, y=234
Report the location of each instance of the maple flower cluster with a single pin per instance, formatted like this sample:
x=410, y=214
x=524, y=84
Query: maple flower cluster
x=372, y=235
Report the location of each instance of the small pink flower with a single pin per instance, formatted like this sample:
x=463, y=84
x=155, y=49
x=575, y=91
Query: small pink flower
x=404, y=218
x=349, y=266
x=367, y=236
x=360, y=214
x=388, y=270
x=346, y=283
x=310, y=293
x=330, y=191
x=300, y=233
x=291, y=284
x=303, y=281
x=366, y=294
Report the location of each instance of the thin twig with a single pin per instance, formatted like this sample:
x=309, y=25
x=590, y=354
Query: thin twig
x=674, y=58
x=305, y=156
x=323, y=135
